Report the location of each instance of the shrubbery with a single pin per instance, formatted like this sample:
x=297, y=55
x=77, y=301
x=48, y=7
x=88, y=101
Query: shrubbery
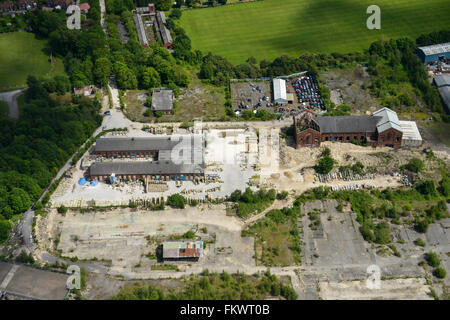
x=177, y=201
x=213, y=286
x=415, y=165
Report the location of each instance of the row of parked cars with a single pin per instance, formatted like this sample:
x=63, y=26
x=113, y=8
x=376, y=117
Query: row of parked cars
x=308, y=94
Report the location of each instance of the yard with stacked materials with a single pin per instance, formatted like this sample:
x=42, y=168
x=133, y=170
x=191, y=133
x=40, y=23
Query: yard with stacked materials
x=21, y=54
x=266, y=29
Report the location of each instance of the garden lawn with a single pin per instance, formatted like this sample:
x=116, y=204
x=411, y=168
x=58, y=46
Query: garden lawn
x=21, y=54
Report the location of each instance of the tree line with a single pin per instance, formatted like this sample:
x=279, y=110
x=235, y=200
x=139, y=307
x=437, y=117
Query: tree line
x=35, y=146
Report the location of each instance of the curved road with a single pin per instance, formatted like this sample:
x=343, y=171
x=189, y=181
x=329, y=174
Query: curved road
x=10, y=98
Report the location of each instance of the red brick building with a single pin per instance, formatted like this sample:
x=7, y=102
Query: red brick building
x=380, y=129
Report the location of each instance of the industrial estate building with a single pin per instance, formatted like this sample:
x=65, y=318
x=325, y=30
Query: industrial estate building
x=153, y=170
x=162, y=100
x=383, y=128
x=159, y=154
x=165, y=33
x=434, y=52
x=442, y=82
x=182, y=250
x=279, y=91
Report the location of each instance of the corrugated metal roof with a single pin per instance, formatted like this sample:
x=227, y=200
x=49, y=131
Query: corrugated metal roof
x=279, y=90
x=143, y=168
x=410, y=131
x=445, y=95
x=389, y=119
x=436, y=48
x=347, y=124
x=442, y=80
x=135, y=144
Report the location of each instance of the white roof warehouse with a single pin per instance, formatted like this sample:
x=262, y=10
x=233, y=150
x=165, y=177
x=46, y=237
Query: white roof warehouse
x=279, y=91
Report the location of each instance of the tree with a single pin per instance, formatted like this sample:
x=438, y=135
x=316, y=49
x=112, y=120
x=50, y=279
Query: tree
x=177, y=201
x=124, y=76
x=19, y=200
x=444, y=186
x=426, y=187
x=102, y=71
x=325, y=165
x=62, y=209
x=4, y=230
x=150, y=78
x=236, y=195
x=367, y=232
x=415, y=165
x=176, y=13
x=164, y=5
x=282, y=195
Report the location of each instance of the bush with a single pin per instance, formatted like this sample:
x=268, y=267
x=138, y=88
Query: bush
x=176, y=13
x=325, y=165
x=415, y=165
x=421, y=225
x=62, y=209
x=426, y=187
x=236, y=195
x=367, y=233
x=282, y=195
x=25, y=258
x=358, y=168
x=4, y=230
x=189, y=235
x=420, y=242
x=432, y=259
x=177, y=201
x=382, y=233
x=440, y=273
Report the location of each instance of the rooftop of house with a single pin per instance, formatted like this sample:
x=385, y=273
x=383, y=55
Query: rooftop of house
x=84, y=6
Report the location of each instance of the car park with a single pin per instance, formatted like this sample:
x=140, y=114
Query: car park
x=308, y=94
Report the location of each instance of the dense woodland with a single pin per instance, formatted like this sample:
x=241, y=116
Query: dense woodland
x=33, y=148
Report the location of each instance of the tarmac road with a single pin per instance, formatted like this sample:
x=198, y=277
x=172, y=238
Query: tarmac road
x=10, y=98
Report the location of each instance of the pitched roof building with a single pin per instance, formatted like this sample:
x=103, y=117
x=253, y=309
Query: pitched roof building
x=166, y=37
x=178, y=157
x=381, y=129
x=442, y=82
x=279, y=91
x=434, y=52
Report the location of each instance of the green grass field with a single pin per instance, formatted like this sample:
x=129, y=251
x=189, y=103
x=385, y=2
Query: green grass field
x=269, y=28
x=22, y=54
